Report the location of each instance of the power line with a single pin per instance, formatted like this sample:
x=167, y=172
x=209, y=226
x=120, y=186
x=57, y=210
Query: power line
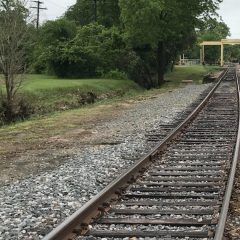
x=38, y=7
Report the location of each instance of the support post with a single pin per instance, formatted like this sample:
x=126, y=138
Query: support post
x=38, y=7
x=201, y=60
x=222, y=49
x=203, y=54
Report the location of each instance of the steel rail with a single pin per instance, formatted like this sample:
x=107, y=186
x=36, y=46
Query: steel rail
x=77, y=222
x=225, y=206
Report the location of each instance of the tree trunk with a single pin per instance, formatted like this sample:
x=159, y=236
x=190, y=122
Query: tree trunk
x=160, y=62
x=172, y=66
x=9, y=103
x=14, y=35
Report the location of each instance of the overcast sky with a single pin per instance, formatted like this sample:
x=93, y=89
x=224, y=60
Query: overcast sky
x=229, y=10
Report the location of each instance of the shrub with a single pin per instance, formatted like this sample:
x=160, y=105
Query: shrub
x=140, y=72
x=21, y=109
x=93, y=50
x=115, y=74
x=87, y=98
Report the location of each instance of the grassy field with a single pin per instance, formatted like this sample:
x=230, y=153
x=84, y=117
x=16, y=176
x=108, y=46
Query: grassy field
x=194, y=73
x=49, y=94
x=38, y=83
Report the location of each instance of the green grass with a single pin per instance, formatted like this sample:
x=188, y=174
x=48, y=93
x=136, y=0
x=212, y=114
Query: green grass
x=49, y=94
x=35, y=83
x=50, y=88
x=41, y=84
x=194, y=72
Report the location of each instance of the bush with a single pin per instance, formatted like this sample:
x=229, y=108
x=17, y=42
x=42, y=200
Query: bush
x=87, y=98
x=51, y=37
x=90, y=51
x=139, y=71
x=21, y=109
x=115, y=74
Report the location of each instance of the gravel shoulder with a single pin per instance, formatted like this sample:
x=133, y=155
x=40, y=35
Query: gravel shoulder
x=77, y=163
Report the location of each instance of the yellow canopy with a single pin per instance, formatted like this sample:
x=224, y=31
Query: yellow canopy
x=218, y=43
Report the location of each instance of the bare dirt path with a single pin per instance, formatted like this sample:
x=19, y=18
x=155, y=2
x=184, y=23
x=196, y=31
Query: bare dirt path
x=33, y=146
x=43, y=144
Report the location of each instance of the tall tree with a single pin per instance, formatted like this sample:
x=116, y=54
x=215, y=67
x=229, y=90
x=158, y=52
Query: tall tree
x=82, y=12
x=52, y=36
x=105, y=12
x=13, y=36
x=213, y=29
x=160, y=23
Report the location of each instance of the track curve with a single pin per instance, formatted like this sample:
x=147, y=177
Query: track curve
x=178, y=190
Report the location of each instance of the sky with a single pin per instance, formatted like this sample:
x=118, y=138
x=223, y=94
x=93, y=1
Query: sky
x=229, y=10
x=55, y=8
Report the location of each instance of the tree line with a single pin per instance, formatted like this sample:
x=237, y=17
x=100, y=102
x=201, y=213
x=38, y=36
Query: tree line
x=131, y=39
x=138, y=39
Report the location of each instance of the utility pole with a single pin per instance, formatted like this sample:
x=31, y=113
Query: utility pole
x=38, y=7
x=95, y=10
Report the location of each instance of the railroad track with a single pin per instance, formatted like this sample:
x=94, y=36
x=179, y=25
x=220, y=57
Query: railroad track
x=181, y=190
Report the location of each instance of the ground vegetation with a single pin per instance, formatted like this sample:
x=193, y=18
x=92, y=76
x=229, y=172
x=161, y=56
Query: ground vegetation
x=137, y=40
x=23, y=144
x=212, y=30
x=14, y=40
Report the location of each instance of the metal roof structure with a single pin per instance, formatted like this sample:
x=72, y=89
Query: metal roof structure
x=221, y=43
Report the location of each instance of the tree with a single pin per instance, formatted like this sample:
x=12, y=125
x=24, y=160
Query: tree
x=160, y=23
x=94, y=51
x=108, y=12
x=82, y=12
x=232, y=53
x=51, y=37
x=58, y=30
x=105, y=12
x=13, y=36
x=212, y=30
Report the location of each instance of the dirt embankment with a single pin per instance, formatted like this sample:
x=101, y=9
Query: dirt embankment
x=38, y=145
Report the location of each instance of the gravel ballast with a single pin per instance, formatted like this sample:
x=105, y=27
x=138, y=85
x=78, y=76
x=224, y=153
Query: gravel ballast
x=32, y=207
